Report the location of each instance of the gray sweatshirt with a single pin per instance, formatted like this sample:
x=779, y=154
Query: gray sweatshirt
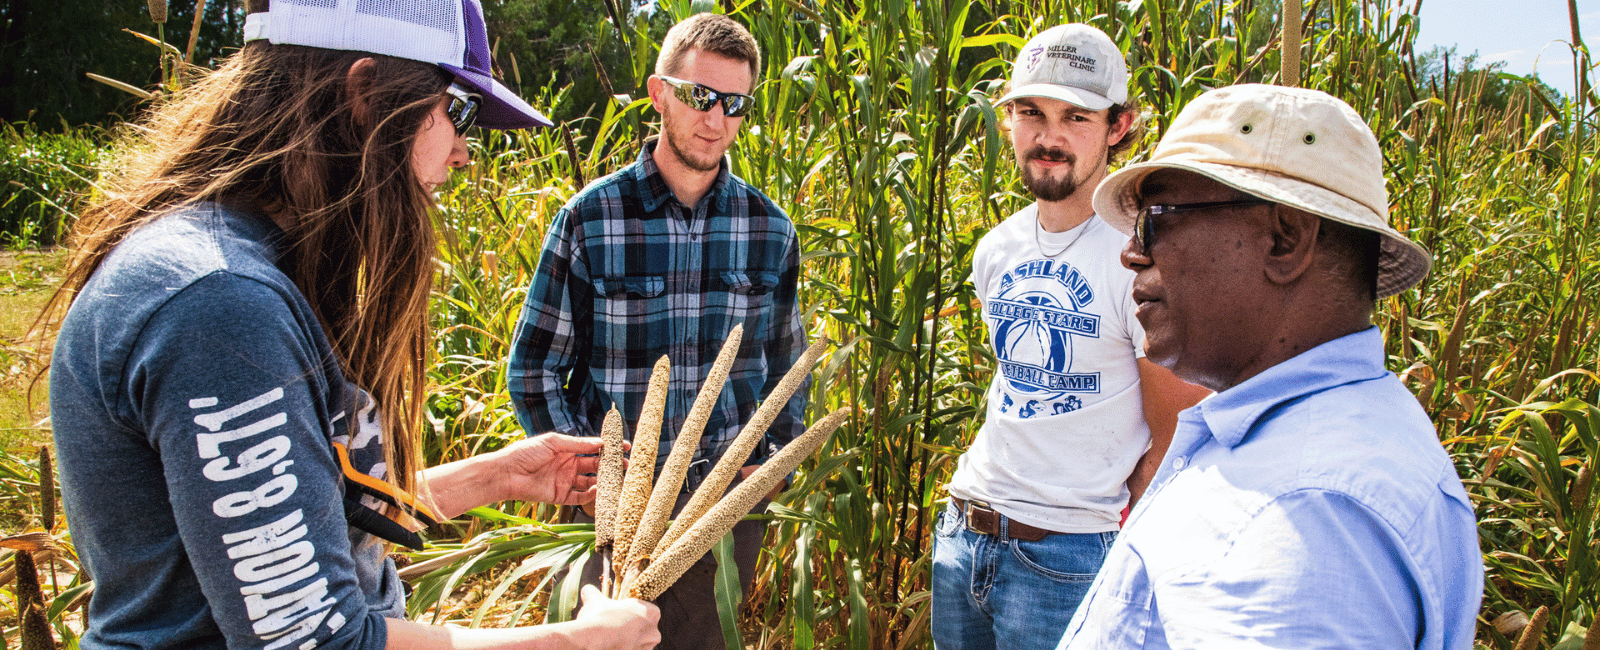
x=195, y=400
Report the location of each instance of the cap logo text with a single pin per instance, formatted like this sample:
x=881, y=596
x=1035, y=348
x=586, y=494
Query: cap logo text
x=1070, y=53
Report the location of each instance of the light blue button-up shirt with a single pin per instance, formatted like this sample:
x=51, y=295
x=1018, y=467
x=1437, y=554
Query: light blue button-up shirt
x=1309, y=507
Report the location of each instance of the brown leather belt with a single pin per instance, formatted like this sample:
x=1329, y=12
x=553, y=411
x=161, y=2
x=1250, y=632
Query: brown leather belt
x=984, y=520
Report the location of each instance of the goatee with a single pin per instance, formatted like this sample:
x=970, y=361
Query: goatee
x=1043, y=187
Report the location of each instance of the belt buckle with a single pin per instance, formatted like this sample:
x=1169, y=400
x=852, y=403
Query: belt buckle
x=966, y=514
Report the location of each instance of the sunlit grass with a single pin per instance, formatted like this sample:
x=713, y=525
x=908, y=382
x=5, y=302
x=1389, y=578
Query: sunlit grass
x=26, y=280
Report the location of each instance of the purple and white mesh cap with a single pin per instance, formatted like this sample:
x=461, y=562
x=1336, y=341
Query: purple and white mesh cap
x=448, y=33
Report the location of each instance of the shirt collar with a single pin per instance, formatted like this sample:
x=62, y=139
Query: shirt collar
x=1230, y=414
x=653, y=188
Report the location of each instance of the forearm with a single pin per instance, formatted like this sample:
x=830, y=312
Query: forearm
x=1143, y=472
x=602, y=624
x=545, y=345
x=1163, y=395
x=454, y=488
x=787, y=343
x=535, y=372
x=405, y=634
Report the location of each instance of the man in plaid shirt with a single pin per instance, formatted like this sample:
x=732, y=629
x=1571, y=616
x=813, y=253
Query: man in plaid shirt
x=664, y=257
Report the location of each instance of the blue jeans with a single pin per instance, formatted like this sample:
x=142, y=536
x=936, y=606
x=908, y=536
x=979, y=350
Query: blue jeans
x=991, y=592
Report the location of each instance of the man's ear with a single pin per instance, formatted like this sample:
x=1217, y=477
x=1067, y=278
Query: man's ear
x=356, y=83
x=657, y=89
x=1294, y=242
x=1119, y=129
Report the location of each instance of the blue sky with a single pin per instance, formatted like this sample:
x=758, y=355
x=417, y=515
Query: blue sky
x=1522, y=33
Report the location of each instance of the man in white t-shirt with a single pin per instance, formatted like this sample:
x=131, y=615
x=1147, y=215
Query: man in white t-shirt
x=1077, y=419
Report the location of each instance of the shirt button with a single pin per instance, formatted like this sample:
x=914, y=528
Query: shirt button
x=1180, y=463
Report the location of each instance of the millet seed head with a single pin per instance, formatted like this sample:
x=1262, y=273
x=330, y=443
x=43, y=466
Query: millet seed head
x=609, y=478
x=752, y=434
x=654, y=521
x=642, y=469
x=667, y=565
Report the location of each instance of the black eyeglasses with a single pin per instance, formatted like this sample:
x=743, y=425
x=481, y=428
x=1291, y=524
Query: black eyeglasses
x=701, y=97
x=1144, y=226
x=463, y=108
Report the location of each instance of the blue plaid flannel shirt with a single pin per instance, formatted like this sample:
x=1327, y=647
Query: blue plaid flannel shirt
x=627, y=274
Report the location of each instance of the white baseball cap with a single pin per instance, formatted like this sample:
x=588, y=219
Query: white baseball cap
x=447, y=33
x=1074, y=63
x=1299, y=147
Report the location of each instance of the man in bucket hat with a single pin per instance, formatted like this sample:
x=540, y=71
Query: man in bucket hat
x=1076, y=421
x=1308, y=502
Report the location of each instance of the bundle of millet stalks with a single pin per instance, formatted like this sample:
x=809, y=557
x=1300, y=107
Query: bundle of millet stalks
x=643, y=555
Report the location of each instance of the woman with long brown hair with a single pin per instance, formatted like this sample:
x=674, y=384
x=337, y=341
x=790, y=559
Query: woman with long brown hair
x=237, y=387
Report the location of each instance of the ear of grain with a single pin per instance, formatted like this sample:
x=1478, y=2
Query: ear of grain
x=1580, y=488
x=667, y=566
x=1530, y=635
x=31, y=605
x=753, y=433
x=47, y=490
x=642, y=468
x=609, y=478
x=654, y=520
x=158, y=10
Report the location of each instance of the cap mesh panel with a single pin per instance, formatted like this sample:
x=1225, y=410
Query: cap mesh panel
x=435, y=15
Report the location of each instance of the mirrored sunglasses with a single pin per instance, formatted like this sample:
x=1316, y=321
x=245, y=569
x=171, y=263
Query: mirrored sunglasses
x=463, y=108
x=701, y=97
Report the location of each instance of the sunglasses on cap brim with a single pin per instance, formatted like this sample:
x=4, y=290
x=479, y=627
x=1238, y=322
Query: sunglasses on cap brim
x=463, y=108
x=701, y=97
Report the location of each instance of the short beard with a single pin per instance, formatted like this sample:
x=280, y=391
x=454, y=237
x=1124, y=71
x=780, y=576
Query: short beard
x=1043, y=188
x=683, y=156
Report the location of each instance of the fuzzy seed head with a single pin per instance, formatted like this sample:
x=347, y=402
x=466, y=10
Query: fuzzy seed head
x=642, y=469
x=1530, y=635
x=654, y=521
x=751, y=435
x=668, y=565
x=609, y=477
x=1580, y=488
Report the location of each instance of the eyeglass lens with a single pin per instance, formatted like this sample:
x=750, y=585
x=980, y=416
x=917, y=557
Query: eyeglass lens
x=463, y=108
x=1144, y=227
x=1143, y=230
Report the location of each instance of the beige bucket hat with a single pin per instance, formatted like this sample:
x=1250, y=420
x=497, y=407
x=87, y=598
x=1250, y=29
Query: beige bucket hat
x=1299, y=147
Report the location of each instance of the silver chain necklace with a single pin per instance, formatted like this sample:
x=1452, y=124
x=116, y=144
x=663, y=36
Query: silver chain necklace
x=1039, y=240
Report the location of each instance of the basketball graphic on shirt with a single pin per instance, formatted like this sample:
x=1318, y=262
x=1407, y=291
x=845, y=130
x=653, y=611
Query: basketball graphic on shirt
x=1031, y=342
x=1033, y=320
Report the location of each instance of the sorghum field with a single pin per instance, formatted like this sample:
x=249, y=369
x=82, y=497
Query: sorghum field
x=874, y=126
